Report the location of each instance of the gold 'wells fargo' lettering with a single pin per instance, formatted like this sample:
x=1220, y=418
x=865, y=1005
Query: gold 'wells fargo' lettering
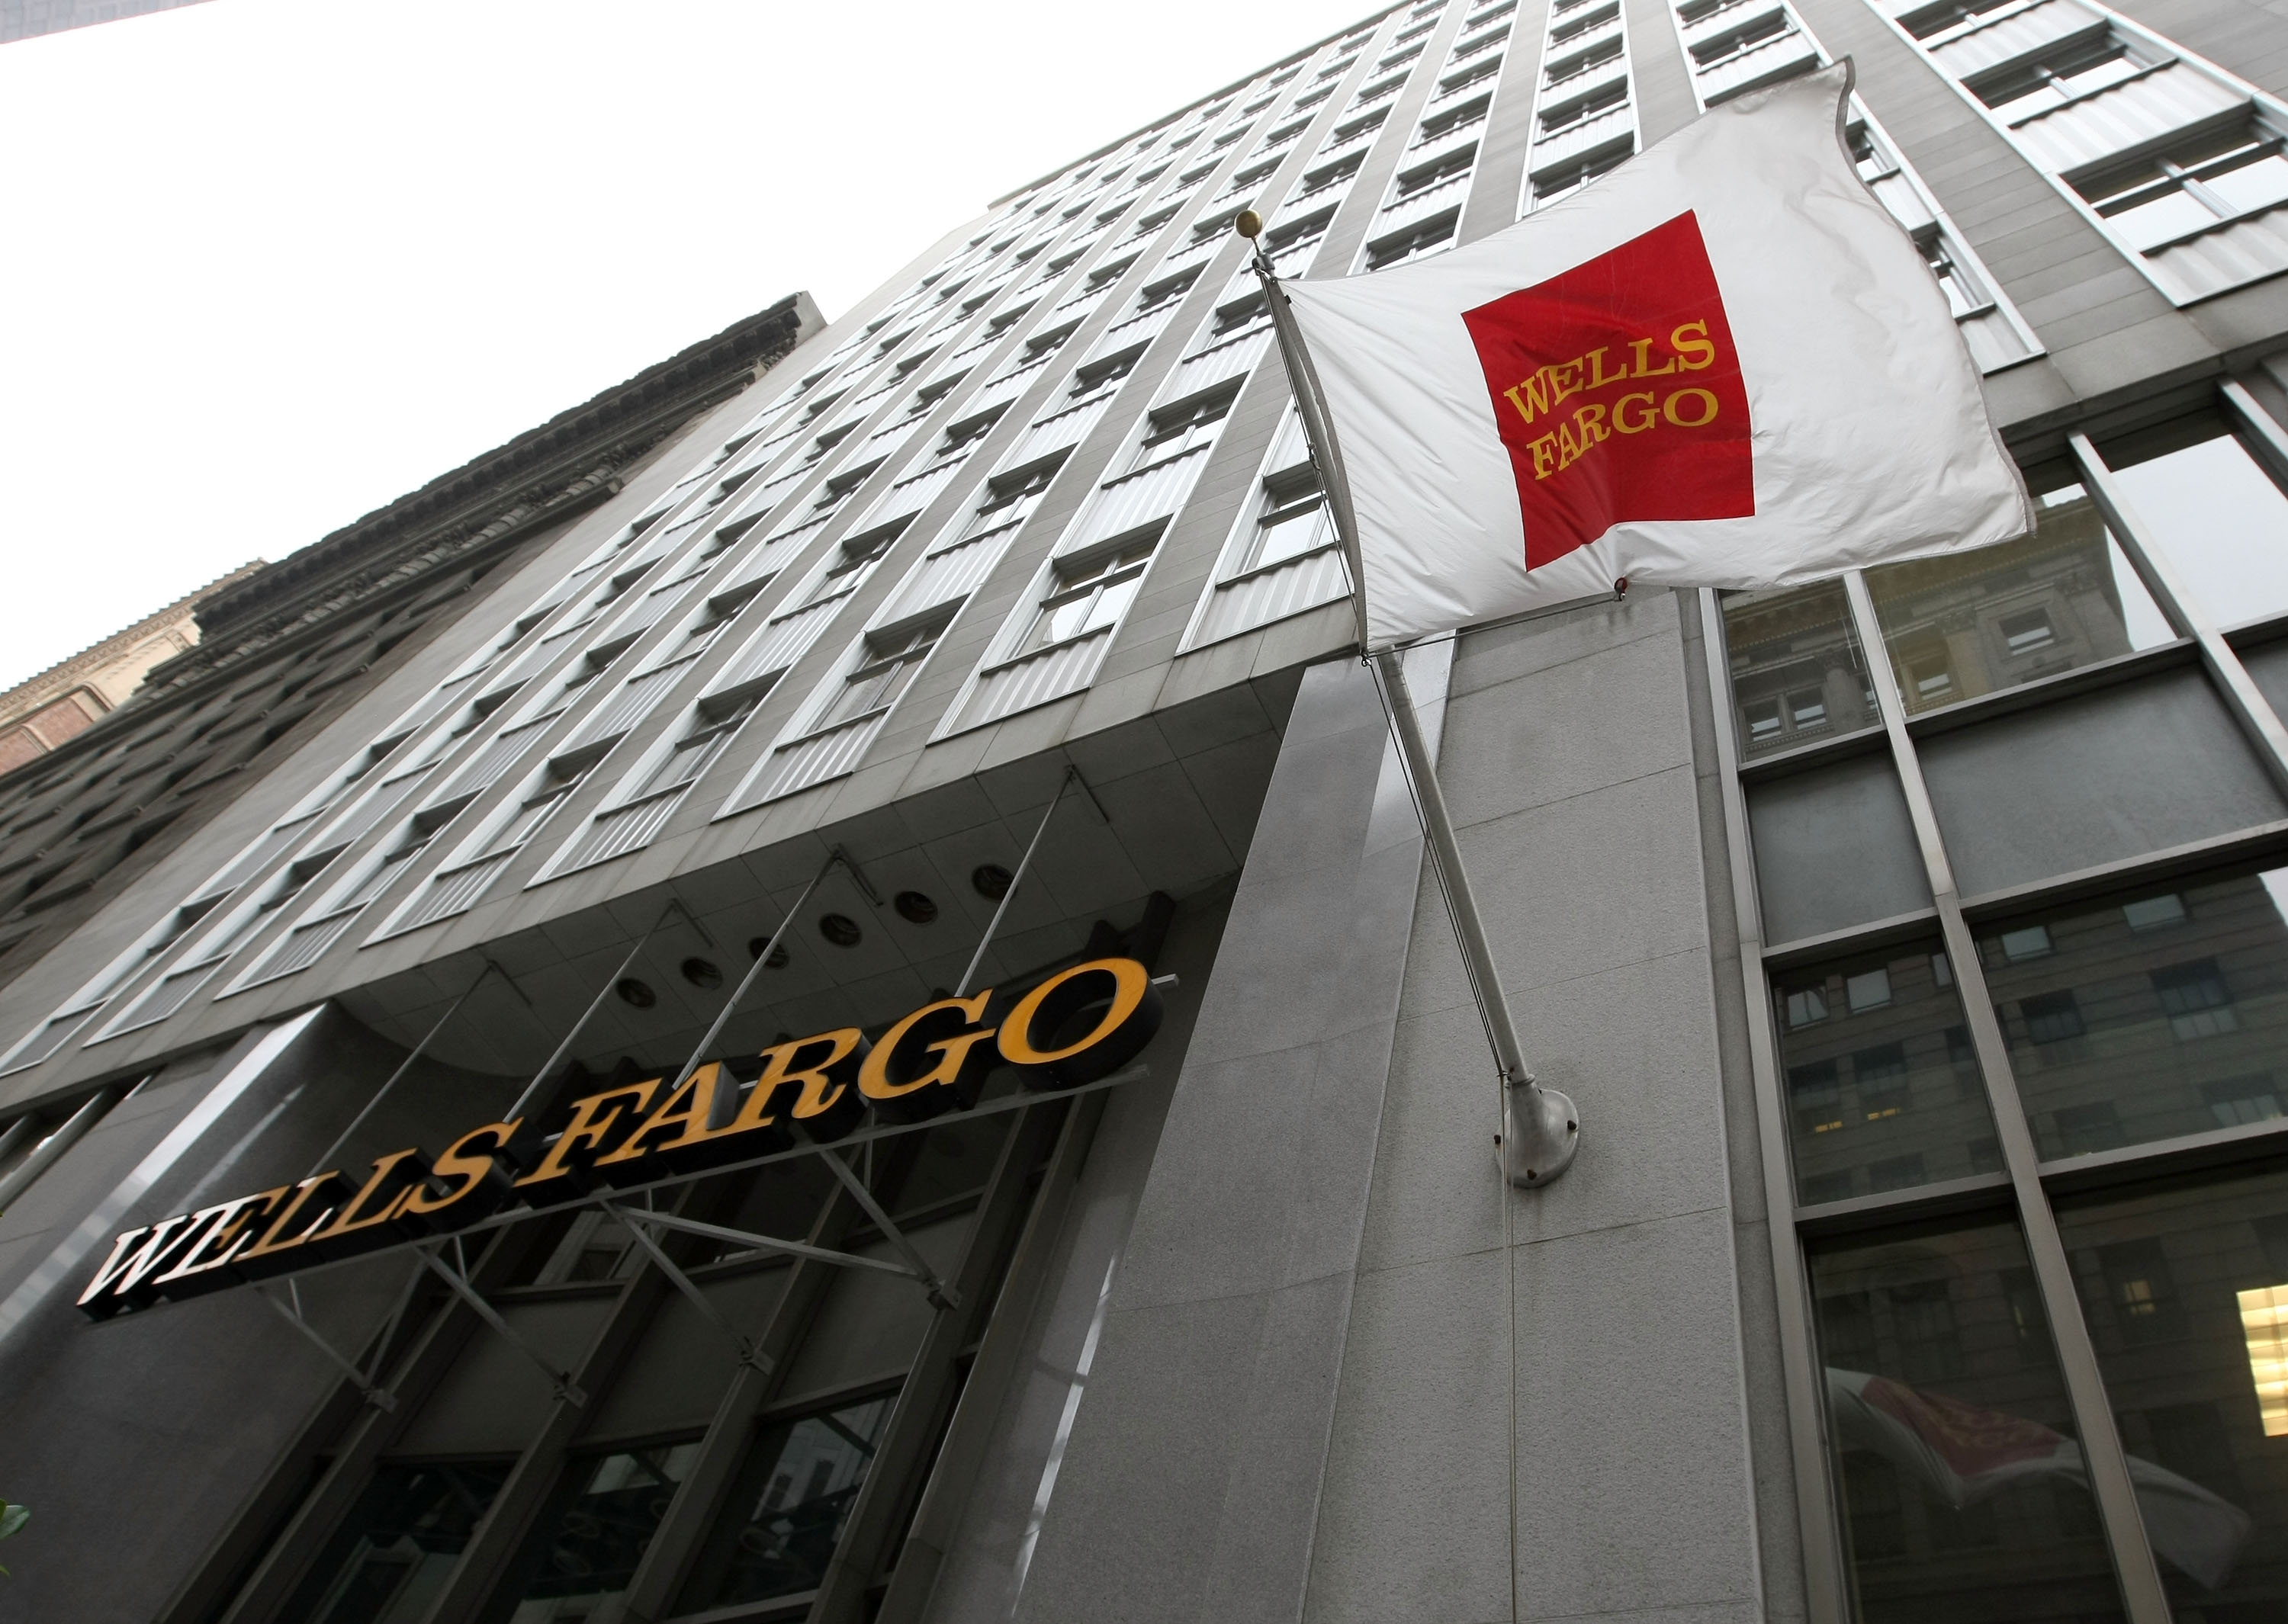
x=1079, y=1025
x=1571, y=435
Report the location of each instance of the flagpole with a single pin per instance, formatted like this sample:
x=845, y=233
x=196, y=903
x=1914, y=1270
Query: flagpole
x=1540, y=1129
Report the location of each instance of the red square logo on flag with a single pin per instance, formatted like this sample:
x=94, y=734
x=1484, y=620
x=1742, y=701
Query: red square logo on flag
x=1618, y=390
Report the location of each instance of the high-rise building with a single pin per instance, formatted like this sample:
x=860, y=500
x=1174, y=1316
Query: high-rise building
x=25, y=19
x=980, y=682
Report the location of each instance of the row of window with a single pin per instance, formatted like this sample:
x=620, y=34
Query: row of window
x=2179, y=162
x=2032, y=1138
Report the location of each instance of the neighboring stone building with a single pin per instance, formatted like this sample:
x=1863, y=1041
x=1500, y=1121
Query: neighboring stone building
x=280, y=649
x=43, y=710
x=661, y=1023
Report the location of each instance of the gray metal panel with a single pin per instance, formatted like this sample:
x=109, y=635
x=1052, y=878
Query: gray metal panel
x=1834, y=847
x=2118, y=773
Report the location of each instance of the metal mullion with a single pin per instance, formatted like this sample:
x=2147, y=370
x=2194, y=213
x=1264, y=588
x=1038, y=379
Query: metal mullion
x=698, y=1498
x=2108, y=1465
x=424, y=1363
x=931, y=1382
x=997, y=1355
x=532, y=1481
x=1817, y=1525
x=2242, y=697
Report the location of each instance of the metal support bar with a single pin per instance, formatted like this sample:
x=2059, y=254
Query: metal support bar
x=326, y=1161
x=763, y=1243
x=857, y=874
x=1826, y=1586
x=17, y=1132
x=50, y=1150
x=723, y=1016
x=380, y=1397
x=2250, y=709
x=2103, y=1458
x=1540, y=1129
x=559, y=1382
x=742, y=1345
x=941, y=1294
x=540, y=1078
x=993, y=925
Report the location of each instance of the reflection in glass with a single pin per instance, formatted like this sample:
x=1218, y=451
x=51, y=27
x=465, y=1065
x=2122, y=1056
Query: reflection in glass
x=786, y=1511
x=2147, y=1014
x=1973, y=623
x=2182, y=1283
x=585, y=1546
x=2221, y=522
x=1962, y=1489
x=1797, y=672
x=1882, y=1087
x=390, y=1556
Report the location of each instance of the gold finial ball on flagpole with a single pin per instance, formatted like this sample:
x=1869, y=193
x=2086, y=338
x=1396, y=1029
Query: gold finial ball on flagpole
x=1248, y=224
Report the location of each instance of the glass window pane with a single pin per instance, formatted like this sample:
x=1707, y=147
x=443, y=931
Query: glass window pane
x=390, y=1557
x=1961, y=1488
x=586, y=1545
x=1882, y=1085
x=2186, y=1288
x=786, y=1509
x=2146, y=1013
x=1797, y=671
x=2259, y=185
x=1974, y=622
x=2221, y=522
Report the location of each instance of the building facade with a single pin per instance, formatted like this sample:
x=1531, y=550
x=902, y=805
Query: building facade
x=979, y=685
x=43, y=710
x=25, y=19
x=276, y=653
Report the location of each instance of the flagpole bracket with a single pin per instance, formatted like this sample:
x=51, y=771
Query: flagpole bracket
x=1540, y=1133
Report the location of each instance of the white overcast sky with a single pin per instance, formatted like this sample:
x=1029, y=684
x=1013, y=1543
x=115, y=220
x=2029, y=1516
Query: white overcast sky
x=270, y=263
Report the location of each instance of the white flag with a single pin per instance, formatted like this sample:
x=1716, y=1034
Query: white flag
x=1724, y=364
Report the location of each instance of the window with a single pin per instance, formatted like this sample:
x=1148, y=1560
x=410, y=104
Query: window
x=2205, y=182
x=2145, y=1011
x=1087, y=594
x=696, y=751
x=1894, y=1079
x=388, y=1558
x=960, y=438
x=586, y=1545
x=2221, y=520
x=2061, y=73
x=1329, y=175
x=2195, y=999
x=1910, y=1323
x=1009, y=499
x=1172, y=431
x=1414, y=242
x=1565, y=33
x=557, y=780
x=2185, y=1285
x=1982, y=622
x=1292, y=520
x=1565, y=114
x=1787, y=647
x=1412, y=183
x=785, y=1511
x=1550, y=185
x=886, y=666
x=847, y=569
x=1738, y=42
